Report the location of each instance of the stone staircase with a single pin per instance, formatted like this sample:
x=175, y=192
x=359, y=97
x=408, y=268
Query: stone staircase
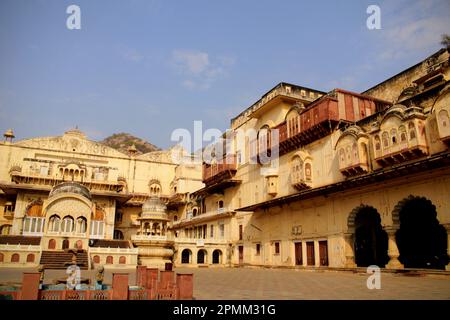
x=62, y=259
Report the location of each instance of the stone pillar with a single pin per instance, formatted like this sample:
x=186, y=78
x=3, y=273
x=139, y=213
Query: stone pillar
x=30, y=286
x=393, y=252
x=167, y=278
x=185, y=284
x=349, y=251
x=152, y=277
x=141, y=276
x=120, y=286
x=447, y=227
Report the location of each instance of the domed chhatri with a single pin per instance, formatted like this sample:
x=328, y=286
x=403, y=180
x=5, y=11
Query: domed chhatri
x=71, y=187
x=154, y=209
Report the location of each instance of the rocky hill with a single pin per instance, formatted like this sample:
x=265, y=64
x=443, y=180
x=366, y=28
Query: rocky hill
x=122, y=141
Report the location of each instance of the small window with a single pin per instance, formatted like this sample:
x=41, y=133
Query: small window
x=258, y=249
x=241, y=232
x=277, y=248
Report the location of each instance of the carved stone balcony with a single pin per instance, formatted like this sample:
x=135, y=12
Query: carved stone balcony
x=400, y=152
x=299, y=182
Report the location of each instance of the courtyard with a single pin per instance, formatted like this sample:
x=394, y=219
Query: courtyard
x=290, y=284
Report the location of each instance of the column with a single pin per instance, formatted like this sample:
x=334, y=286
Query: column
x=349, y=251
x=393, y=252
x=447, y=227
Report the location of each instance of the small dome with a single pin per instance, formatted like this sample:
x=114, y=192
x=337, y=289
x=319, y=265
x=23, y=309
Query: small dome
x=71, y=187
x=154, y=208
x=9, y=134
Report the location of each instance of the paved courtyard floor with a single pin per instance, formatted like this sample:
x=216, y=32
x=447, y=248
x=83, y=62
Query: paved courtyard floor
x=256, y=283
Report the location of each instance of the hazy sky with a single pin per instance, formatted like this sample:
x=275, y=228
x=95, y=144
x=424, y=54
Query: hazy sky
x=149, y=67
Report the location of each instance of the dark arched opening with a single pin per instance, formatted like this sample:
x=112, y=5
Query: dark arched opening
x=186, y=256
x=216, y=257
x=371, y=241
x=421, y=240
x=201, y=256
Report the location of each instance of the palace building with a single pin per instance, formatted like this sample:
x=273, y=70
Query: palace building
x=360, y=179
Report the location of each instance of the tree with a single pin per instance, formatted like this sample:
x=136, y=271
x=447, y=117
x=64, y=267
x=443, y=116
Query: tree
x=445, y=40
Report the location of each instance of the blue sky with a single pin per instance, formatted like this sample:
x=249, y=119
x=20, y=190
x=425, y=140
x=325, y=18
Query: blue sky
x=149, y=67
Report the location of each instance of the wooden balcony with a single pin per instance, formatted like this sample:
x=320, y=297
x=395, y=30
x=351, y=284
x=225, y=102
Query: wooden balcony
x=400, y=152
x=316, y=122
x=222, y=170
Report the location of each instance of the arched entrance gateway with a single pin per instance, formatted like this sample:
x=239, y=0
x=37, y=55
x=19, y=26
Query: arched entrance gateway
x=421, y=240
x=370, y=240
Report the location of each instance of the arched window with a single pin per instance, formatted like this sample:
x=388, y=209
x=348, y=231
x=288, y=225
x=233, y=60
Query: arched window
x=186, y=256
x=264, y=140
x=96, y=259
x=385, y=137
x=5, y=229
x=443, y=118
x=402, y=133
x=122, y=260
x=220, y=204
x=297, y=169
x=293, y=123
x=308, y=172
x=175, y=218
x=412, y=131
x=53, y=224
x=119, y=216
x=97, y=222
x=15, y=257
x=30, y=257
x=52, y=244
x=194, y=212
x=342, y=156
x=81, y=225
x=394, y=136
x=118, y=235
x=155, y=188
x=348, y=153
x=109, y=260
x=377, y=143
x=355, y=152
x=67, y=224
x=147, y=230
x=156, y=229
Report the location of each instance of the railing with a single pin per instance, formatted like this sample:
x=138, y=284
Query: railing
x=19, y=247
x=204, y=215
x=223, y=165
x=66, y=234
x=51, y=180
x=200, y=242
x=113, y=250
x=135, y=223
x=8, y=214
x=144, y=237
x=398, y=147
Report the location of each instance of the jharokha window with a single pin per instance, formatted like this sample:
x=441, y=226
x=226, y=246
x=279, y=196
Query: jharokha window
x=377, y=143
x=33, y=223
x=385, y=137
x=308, y=173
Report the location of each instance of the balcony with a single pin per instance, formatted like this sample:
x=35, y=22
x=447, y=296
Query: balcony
x=18, y=176
x=8, y=213
x=200, y=242
x=299, y=182
x=223, y=169
x=316, y=121
x=202, y=217
x=400, y=152
x=176, y=200
x=145, y=237
x=135, y=223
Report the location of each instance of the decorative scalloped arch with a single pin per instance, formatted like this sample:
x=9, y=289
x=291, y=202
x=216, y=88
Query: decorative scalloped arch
x=399, y=206
x=352, y=216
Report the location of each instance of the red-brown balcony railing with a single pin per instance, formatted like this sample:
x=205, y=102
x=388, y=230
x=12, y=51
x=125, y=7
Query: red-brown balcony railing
x=315, y=122
x=223, y=169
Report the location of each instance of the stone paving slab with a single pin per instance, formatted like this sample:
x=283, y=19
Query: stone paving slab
x=270, y=284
